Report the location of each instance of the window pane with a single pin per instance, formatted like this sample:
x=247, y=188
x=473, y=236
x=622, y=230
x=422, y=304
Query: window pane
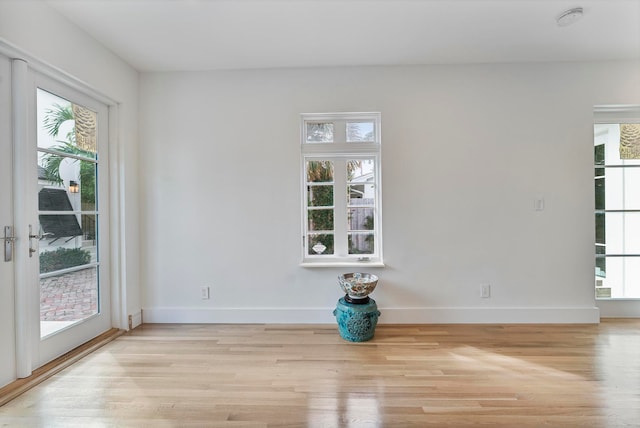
x=361, y=190
x=600, y=199
x=629, y=141
x=320, y=196
x=600, y=229
x=65, y=127
x=320, y=220
x=70, y=296
x=320, y=132
x=623, y=233
x=623, y=277
x=89, y=235
x=601, y=262
x=361, y=194
x=319, y=171
x=360, y=219
x=320, y=244
x=609, y=141
x=87, y=186
x=360, y=131
x=623, y=185
x=85, y=128
x=57, y=199
x=58, y=254
x=360, y=170
x=361, y=243
x=598, y=154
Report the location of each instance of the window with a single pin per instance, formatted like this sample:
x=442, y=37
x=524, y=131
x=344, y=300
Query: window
x=341, y=189
x=617, y=206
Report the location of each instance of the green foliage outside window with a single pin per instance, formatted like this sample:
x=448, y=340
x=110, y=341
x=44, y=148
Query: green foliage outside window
x=320, y=196
x=63, y=258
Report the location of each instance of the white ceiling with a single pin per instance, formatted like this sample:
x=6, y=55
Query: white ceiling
x=164, y=35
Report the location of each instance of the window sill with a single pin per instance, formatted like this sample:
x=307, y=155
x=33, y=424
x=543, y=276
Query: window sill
x=375, y=264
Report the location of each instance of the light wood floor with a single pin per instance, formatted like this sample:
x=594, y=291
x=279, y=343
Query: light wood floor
x=298, y=376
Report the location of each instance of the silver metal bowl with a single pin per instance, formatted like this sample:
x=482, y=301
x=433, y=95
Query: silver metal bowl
x=357, y=285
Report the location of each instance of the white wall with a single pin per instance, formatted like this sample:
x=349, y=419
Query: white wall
x=466, y=151
x=33, y=27
x=40, y=31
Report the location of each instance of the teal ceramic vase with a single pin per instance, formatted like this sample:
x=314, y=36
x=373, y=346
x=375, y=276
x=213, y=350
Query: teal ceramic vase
x=356, y=322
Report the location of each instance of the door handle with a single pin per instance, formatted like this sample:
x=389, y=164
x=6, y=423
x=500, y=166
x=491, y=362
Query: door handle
x=31, y=238
x=9, y=239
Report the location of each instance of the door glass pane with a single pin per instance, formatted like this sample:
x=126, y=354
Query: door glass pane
x=611, y=145
x=87, y=186
x=68, y=222
x=66, y=298
x=622, y=277
x=601, y=262
x=598, y=154
x=623, y=185
x=64, y=126
x=600, y=195
x=623, y=233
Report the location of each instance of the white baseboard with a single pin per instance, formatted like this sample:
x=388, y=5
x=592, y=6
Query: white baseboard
x=136, y=319
x=619, y=308
x=586, y=315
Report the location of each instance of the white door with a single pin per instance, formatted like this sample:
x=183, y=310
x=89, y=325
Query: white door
x=61, y=195
x=7, y=326
x=55, y=283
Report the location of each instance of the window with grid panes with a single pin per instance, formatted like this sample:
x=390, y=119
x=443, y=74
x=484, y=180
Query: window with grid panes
x=341, y=189
x=617, y=202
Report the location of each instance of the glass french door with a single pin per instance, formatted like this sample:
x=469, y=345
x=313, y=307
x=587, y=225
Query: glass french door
x=69, y=239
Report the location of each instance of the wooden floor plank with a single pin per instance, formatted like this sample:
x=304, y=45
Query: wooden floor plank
x=307, y=376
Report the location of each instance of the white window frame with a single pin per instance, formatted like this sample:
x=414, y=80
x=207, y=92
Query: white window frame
x=615, y=115
x=339, y=151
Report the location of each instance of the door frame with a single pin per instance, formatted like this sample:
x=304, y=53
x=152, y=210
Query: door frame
x=22, y=65
x=7, y=296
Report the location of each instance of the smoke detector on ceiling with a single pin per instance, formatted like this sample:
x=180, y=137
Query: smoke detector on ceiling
x=570, y=16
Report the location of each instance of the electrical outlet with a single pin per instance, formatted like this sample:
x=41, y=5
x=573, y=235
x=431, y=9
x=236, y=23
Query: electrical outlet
x=204, y=292
x=485, y=291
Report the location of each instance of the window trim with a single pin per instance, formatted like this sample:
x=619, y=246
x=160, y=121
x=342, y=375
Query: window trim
x=339, y=150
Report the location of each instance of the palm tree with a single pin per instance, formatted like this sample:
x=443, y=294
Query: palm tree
x=53, y=120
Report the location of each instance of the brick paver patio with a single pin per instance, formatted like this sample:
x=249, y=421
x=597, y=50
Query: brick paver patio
x=69, y=297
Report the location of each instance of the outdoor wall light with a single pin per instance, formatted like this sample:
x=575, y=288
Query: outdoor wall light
x=73, y=187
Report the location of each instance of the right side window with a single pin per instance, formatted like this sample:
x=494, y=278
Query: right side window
x=617, y=209
x=341, y=181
